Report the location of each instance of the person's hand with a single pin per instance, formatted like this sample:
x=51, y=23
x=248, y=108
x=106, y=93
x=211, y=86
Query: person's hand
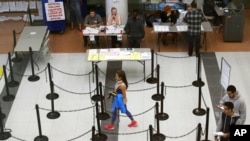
x=168, y=14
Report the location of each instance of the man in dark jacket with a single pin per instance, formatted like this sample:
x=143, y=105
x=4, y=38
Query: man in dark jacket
x=134, y=29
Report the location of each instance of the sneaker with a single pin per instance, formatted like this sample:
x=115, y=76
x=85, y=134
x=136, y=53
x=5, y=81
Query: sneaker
x=109, y=126
x=132, y=124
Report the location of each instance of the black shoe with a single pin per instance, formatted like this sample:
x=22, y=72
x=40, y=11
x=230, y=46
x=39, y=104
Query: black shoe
x=164, y=42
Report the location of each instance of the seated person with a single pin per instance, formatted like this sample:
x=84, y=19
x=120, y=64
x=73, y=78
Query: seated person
x=92, y=20
x=171, y=16
x=208, y=9
x=115, y=20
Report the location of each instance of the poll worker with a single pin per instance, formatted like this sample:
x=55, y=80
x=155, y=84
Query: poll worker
x=92, y=20
x=115, y=20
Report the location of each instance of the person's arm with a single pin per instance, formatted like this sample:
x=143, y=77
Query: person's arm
x=243, y=112
x=99, y=20
x=86, y=21
x=126, y=28
x=109, y=20
x=123, y=89
x=142, y=29
x=118, y=18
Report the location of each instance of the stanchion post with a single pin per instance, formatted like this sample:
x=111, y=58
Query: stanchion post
x=198, y=137
x=198, y=82
x=152, y=79
x=102, y=115
x=1, y=113
x=33, y=77
x=158, y=96
x=55, y=95
x=93, y=133
x=12, y=82
x=16, y=58
x=53, y=114
x=199, y=111
x=40, y=137
x=99, y=136
x=3, y=135
x=96, y=97
x=207, y=125
x=150, y=133
x=161, y=115
x=8, y=96
x=158, y=136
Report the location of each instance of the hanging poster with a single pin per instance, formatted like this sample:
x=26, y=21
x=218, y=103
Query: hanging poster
x=54, y=11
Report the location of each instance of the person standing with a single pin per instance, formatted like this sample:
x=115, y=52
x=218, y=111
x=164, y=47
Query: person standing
x=234, y=97
x=194, y=18
x=134, y=29
x=228, y=117
x=120, y=100
x=115, y=20
x=75, y=13
x=92, y=20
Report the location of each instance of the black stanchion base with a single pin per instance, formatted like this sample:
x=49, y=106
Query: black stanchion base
x=198, y=83
x=33, y=78
x=199, y=111
x=99, y=137
x=49, y=96
x=53, y=115
x=103, y=116
x=8, y=98
x=205, y=140
x=4, y=135
x=12, y=84
x=97, y=98
x=16, y=59
x=161, y=116
x=158, y=137
x=2, y=116
x=151, y=80
x=157, y=97
x=41, y=138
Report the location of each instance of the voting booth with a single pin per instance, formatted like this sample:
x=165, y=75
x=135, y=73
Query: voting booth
x=54, y=15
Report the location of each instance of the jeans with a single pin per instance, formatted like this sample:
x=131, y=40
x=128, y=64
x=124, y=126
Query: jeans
x=114, y=115
x=193, y=40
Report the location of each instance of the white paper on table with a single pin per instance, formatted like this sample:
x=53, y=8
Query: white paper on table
x=93, y=51
x=89, y=30
x=202, y=28
x=92, y=37
x=146, y=55
x=119, y=37
x=161, y=28
x=104, y=51
x=182, y=27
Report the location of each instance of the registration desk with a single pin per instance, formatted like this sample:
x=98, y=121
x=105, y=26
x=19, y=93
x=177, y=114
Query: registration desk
x=119, y=54
x=179, y=27
x=104, y=31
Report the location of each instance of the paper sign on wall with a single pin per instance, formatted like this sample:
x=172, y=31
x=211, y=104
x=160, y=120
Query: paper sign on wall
x=54, y=11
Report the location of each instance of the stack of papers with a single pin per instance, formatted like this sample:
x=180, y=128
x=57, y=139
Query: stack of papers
x=93, y=55
x=89, y=30
x=161, y=28
x=182, y=27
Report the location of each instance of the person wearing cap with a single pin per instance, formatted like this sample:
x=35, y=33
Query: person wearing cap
x=171, y=16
